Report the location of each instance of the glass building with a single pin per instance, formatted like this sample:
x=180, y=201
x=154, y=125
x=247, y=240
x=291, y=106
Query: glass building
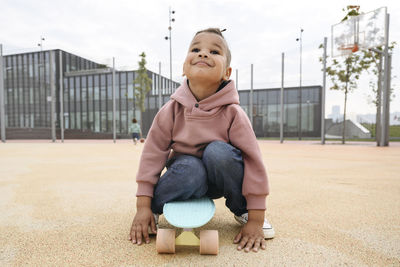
x=299, y=120
x=27, y=86
x=87, y=99
x=87, y=94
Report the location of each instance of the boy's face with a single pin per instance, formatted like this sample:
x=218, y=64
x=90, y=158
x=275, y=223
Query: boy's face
x=206, y=58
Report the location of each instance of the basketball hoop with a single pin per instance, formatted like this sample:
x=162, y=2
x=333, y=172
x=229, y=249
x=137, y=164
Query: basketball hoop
x=348, y=50
x=367, y=30
x=355, y=48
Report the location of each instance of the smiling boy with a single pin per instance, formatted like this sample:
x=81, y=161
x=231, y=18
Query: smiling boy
x=207, y=143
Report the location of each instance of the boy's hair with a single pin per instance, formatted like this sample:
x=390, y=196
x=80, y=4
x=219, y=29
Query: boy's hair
x=219, y=32
x=134, y=120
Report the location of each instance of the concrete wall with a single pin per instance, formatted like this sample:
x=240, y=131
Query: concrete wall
x=353, y=129
x=45, y=133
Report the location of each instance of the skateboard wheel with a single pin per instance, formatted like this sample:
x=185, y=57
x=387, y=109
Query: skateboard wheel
x=209, y=242
x=165, y=241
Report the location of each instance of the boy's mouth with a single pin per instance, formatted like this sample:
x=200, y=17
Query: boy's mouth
x=202, y=63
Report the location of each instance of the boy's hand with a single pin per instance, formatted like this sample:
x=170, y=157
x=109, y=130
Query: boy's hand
x=140, y=225
x=252, y=236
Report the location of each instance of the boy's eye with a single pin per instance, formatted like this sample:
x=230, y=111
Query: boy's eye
x=215, y=52
x=195, y=50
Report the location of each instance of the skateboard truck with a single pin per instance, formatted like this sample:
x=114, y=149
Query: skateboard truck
x=187, y=238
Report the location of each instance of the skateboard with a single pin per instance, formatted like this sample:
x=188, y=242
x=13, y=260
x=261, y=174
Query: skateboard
x=187, y=215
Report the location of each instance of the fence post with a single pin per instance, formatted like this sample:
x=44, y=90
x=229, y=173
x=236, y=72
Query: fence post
x=2, y=109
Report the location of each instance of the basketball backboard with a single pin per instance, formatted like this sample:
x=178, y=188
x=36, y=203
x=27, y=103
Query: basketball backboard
x=359, y=33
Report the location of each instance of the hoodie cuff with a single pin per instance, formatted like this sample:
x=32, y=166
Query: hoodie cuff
x=255, y=202
x=145, y=189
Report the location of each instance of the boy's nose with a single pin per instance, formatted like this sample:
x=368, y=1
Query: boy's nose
x=202, y=54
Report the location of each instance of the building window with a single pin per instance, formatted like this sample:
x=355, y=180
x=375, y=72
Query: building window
x=78, y=99
x=66, y=104
x=90, y=100
x=74, y=63
x=103, y=107
x=96, y=107
x=84, y=102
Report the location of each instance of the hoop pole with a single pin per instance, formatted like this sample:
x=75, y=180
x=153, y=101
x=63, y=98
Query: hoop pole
x=378, y=123
x=387, y=107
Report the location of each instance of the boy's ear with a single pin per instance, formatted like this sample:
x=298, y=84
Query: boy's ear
x=228, y=73
x=183, y=69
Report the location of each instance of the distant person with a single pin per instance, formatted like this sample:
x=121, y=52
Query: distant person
x=134, y=128
x=214, y=151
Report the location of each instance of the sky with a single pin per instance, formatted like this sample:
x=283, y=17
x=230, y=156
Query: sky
x=258, y=32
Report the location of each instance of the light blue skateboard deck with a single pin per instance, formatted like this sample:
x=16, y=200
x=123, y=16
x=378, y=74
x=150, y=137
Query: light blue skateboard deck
x=190, y=213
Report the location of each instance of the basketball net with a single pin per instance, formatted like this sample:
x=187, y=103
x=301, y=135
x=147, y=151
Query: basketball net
x=348, y=50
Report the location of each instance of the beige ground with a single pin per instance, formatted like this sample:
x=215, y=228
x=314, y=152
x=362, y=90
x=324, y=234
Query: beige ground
x=73, y=203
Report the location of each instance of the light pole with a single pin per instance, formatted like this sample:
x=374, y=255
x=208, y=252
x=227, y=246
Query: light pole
x=323, y=95
x=237, y=79
x=41, y=65
x=113, y=100
x=2, y=109
x=300, y=40
x=171, y=12
x=41, y=43
x=282, y=109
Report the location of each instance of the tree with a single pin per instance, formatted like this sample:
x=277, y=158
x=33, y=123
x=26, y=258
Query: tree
x=344, y=73
x=142, y=85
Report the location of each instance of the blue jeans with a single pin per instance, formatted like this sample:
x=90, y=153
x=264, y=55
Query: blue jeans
x=218, y=174
x=135, y=135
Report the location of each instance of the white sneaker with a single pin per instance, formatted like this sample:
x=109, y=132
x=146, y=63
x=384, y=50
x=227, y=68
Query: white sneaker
x=269, y=231
x=156, y=216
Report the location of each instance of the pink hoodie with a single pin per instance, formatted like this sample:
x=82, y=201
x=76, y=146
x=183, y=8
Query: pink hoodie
x=187, y=127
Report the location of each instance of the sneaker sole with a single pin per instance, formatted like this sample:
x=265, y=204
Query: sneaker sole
x=239, y=221
x=269, y=233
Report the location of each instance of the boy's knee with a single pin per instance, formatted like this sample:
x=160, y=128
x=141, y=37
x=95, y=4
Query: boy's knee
x=221, y=152
x=191, y=169
x=185, y=178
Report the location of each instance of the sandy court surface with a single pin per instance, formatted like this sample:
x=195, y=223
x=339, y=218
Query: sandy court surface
x=72, y=204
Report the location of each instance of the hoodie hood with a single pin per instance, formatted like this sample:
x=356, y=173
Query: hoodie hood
x=226, y=96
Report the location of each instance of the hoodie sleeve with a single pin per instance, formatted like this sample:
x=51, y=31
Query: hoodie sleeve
x=156, y=150
x=255, y=182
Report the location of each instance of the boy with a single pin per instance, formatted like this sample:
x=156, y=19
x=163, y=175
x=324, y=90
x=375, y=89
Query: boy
x=214, y=150
x=135, y=130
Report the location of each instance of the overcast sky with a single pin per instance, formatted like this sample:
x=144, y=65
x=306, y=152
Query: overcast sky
x=257, y=33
